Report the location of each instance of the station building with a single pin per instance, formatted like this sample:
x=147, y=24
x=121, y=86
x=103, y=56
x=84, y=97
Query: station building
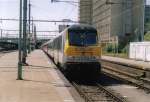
x=117, y=21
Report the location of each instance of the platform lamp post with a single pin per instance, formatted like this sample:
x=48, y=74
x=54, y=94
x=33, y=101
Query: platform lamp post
x=19, y=77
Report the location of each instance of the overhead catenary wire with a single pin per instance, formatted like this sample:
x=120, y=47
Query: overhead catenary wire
x=14, y=30
x=40, y=20
x=17, y=34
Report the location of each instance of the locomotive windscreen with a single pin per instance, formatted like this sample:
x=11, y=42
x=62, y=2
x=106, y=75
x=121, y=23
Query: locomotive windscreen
x=82, y=38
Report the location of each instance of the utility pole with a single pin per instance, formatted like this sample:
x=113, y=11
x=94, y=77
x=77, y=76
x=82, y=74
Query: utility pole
x=35, y=37
x=142, y=19
x=19, y=77
x=24, y=31
x=29, y=42
x=32, y=32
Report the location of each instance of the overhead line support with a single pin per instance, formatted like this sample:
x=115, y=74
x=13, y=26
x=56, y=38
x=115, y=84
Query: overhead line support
x=19, y=74
x=24, y=32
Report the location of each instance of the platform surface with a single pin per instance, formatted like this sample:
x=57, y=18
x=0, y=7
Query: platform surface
x=42, y=82
x=142, y=64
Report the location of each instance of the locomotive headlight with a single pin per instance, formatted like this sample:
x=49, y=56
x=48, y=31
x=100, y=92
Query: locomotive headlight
x=83, y=58
x=70, y=58
x=97, y=57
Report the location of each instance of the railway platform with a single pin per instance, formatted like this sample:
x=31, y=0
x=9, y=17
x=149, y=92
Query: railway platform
x=130, y=62
x=138, y=63
x=42, y=81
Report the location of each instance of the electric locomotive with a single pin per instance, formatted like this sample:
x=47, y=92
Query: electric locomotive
x=76, y=50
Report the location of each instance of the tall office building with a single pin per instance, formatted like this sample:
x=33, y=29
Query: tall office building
x=117, y=21
x=101, y=19
x=147, y=13
x=85, y=11
x=147, y=18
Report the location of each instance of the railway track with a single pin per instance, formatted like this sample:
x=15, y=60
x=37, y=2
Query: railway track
x=98, y=93
x=133, y=79
x=3, y=52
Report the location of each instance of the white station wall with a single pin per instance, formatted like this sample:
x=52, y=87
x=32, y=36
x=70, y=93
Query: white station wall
x=140, y=51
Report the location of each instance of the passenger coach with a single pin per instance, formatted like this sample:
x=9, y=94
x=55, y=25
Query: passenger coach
x=76, y=50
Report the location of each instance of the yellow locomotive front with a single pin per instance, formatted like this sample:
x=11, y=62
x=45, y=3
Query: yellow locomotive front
x=82, y=51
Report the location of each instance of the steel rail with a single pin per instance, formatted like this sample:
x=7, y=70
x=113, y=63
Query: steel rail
x=112, y=95
x=128, y=77
x=102, y=94
x=87, y=98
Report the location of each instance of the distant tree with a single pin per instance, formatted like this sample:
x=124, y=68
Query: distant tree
x=147, y=36
x=147, y=27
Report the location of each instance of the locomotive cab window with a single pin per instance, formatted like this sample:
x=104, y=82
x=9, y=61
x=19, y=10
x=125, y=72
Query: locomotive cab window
x=82, y=38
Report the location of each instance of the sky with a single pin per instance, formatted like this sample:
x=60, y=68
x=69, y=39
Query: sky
x=148, y=2
x=40, y=9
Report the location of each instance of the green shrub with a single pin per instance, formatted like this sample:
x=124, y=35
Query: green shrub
x=147, y=36
x=110, y=48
